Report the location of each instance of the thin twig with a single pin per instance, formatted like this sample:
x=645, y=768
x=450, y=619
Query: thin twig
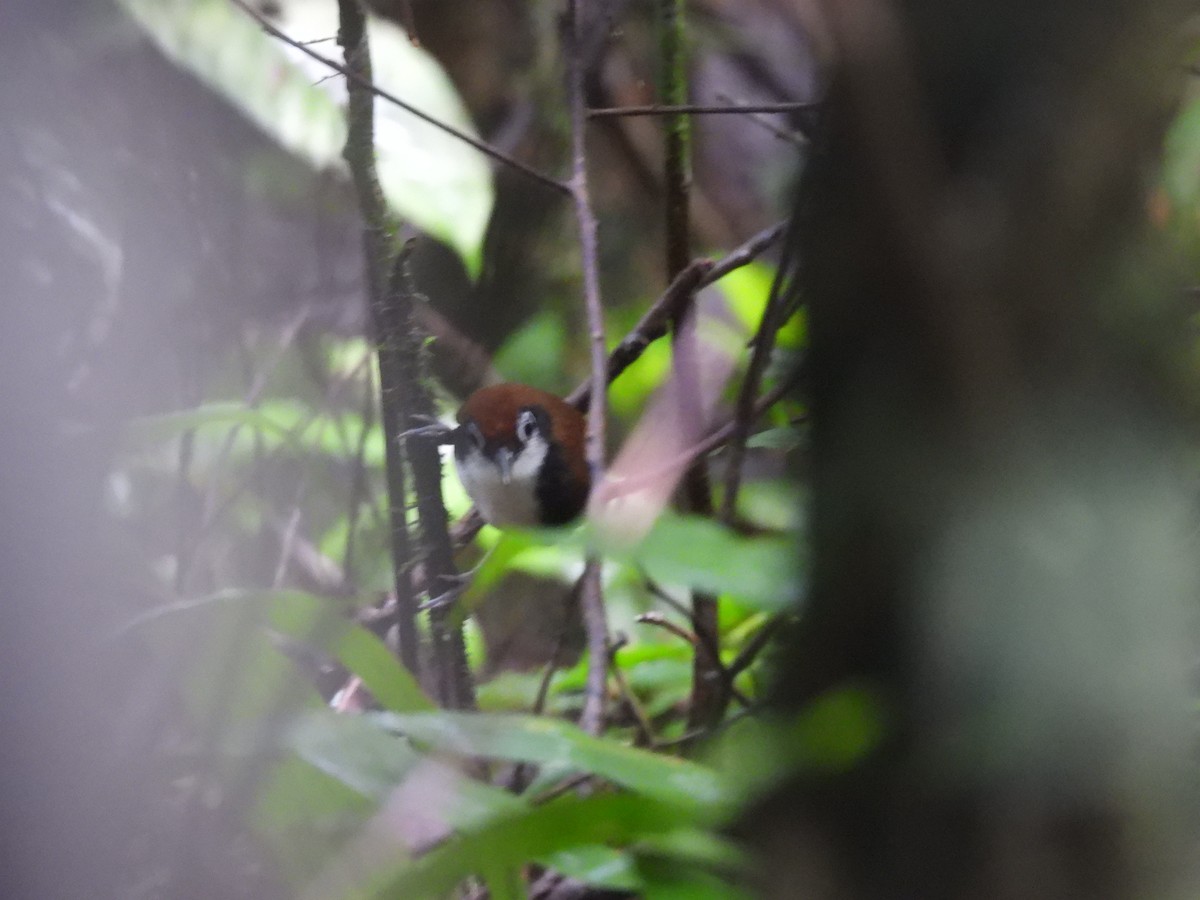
x=749, y=653
x=567, y=784
x=660, y=621
x=366, y=83
x=592, y=597
x=700, y=644
x=693, y=109
x=745, y=253
x=285, y=548
x=698, y=733
x=645, y=729
x=358, y=481
x=760, y=355
x=653, y=325
x=762, y=121
x=708, y=696
x=657, y=590
x=712, y=442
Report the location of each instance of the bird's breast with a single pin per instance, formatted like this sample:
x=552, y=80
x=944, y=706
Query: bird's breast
x=503, y=503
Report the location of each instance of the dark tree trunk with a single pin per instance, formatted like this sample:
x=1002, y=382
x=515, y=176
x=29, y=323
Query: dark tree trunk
x=1003, y=551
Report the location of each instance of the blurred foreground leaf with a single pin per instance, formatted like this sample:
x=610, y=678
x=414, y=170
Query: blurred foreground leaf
x=428, y=177
x=552, y=742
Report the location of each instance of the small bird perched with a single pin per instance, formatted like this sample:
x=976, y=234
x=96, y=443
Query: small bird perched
x=520, y=455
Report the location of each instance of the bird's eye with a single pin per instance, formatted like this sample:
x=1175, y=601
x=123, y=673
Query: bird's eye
x=527, y=426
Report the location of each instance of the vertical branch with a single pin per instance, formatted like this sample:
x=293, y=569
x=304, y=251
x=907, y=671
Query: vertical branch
x=709, y=692
x=678, y=161
x=594, y=618
x=451, y=674
x=378, y=250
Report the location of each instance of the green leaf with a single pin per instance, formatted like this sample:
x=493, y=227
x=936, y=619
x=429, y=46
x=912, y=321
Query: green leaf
x=235, y=618
x=303, y=815
x=596, y=865
x=530, y=833
x=392, y=685
x=1181, y=158
x=156, y=429
x=534, y=353
x=225, y=653
x=354, y=751
x=228, y=51
x=428, y=177
x=834, y=733
x=747, y=290
x=553, y=742
x=788, y=438
x=702, y=554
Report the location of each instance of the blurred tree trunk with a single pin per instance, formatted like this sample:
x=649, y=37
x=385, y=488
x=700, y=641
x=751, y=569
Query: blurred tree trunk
x=1003, y=546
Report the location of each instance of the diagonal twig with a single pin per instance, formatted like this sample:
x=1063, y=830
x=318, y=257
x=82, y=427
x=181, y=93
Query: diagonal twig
x=482, y=146
x=693, y=109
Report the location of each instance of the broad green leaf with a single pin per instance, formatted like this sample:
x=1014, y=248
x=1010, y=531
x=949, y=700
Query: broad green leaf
x=702, y=554
x=227, y=658
x=505, y=884
x=273, y=423
x=166, y=426
x=553, y=742
x=428, y=177
x=596, y=865
x=669, y=879
x=354, y=751
x=392, y=685
x=373, y=761
x=234, y=619
x=228, y=51
x=835, y=732
x=534, y=353
x=530, y=833
x=1181, y=158
x=303, y=815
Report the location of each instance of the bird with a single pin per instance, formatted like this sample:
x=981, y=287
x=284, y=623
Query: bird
x=519, y=452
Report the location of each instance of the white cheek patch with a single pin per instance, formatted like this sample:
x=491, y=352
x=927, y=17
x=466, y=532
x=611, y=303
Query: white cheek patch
x=514, y=503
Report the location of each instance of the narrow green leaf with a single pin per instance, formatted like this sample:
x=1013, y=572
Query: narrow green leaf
x=702, y=554
x=304, y=815
x=166, y=426
x=367, y=657
x=531, y=833
x=596, y=865
x=551, y=742
x=788, y=438
x=352, y=750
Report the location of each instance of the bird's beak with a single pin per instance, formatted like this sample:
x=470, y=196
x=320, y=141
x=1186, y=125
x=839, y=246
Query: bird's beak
x=504, y=459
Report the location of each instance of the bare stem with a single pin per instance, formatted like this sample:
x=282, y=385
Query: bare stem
x=592, y=597
x=689, y=109
x=378, y=251
x=760, y=355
